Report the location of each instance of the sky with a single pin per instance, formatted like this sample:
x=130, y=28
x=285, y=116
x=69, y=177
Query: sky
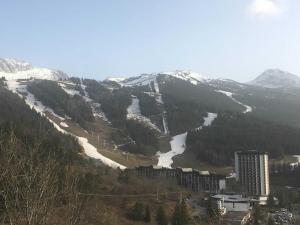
x=236, y=39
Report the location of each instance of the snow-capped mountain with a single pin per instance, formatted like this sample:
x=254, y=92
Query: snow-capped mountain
x=13, y=69
x=145, y=79
x=275, y=78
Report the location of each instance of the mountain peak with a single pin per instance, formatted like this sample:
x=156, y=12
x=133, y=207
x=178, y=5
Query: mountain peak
x=276, y=78
x=13, y=65
x=13, y=69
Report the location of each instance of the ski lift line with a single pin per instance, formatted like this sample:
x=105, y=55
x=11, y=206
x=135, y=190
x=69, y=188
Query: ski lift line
x=126, y=143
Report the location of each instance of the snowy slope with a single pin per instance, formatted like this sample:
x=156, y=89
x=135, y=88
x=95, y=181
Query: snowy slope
x=178, y=143
x=13, y=69
x=91, y=151
x=178, y=147
x=134, y=113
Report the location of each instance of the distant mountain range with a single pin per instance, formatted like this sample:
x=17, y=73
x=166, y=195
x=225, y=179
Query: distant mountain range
x=211, y=117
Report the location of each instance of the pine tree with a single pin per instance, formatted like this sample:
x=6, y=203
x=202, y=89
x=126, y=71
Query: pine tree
x=257, y=215
x=213, y=214
x=271, y=221
x=138, y=211
x=161, y=218
x=176, y=219
x=271, y=202
x=147, y=214
x=184, y=213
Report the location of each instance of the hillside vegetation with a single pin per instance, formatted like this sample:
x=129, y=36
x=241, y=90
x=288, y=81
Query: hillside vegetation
x=186, y=104
x=29, y=127
x=53, y=96
x=130, y=135
x=234, y=132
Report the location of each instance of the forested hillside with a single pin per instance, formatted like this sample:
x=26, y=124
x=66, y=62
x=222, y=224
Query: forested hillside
x=186, y=104
x=53, y=96
x=44, y=180
x=29, y=127
x=234, y=132
x=130, y=135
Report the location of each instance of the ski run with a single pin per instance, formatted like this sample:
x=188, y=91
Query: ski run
x=178, y=143
x=134, y=113
x=230, y=95
x=33, y=103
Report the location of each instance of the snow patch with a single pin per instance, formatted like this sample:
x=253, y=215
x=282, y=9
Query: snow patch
x=63, y=124
x=177, y=147
x=296, y=164
x=92, y=152
x=230, y=95
x=208, y=120
x=134, y=112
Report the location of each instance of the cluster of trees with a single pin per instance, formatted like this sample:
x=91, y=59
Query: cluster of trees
x=53, y=96
x=38, y=168
x=233, y=132
x=276, y=105
x=148, y=105
x=2, y=81
x=186, y=104
x=29, y=127
x=75, y=80
x=140, y=212
x=114, y=103
x=180, y=215
x=146, y=141
x=284, y=175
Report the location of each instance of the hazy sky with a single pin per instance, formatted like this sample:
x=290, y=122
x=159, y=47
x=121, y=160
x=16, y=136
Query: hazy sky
x=237, y=39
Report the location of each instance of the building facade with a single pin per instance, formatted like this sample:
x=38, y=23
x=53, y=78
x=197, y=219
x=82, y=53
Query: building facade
x=187, y=177
x=252, y=172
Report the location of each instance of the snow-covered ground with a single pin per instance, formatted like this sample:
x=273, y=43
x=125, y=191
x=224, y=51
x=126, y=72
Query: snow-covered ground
x=13, y=69
x=230, y=95
x=177, y=146
x=208, y=120
x=134, y=113
x=30, y=100
x=63, y=124
x=146, y=79
x=92, y=152
x=178, y=143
